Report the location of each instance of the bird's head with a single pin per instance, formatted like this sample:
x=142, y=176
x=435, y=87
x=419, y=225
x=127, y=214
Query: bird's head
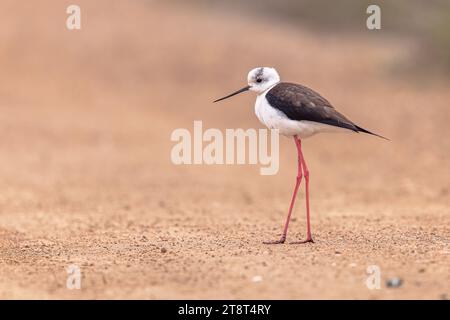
x=259, y=80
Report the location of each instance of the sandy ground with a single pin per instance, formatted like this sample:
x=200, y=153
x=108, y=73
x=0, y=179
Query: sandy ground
x=86, y=176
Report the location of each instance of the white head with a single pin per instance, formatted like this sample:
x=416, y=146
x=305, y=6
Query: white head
x=259, y=80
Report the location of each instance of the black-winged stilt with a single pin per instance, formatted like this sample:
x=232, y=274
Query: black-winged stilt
x=296, y=111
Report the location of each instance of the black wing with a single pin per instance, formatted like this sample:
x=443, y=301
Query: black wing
x=298, y=102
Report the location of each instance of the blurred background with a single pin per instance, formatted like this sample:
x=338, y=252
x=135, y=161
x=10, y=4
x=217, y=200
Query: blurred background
x=85, y=170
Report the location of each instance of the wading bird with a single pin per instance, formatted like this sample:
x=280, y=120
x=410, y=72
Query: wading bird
x=296, y=111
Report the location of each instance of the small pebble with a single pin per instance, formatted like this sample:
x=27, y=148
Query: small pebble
x=394, y=283
x=163, y=250
x=257, y=279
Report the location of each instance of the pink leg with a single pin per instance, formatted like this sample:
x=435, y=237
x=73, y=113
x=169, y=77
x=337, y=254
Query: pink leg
x=308, y=224
x=294, y=196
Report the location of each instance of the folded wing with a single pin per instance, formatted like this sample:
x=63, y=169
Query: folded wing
x=298, y=102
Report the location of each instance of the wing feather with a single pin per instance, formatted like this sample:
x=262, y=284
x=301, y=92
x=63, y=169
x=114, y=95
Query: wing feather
x=298, y=102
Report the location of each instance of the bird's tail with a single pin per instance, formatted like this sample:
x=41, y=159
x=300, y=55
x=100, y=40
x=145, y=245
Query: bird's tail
x=359, y=129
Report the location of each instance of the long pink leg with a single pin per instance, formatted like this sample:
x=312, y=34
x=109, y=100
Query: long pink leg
x=306, y=174
x=294, y=196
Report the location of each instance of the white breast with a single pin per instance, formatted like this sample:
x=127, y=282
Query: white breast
x=275, y=119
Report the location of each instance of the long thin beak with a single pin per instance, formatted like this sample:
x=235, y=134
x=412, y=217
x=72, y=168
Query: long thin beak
x=233, y=94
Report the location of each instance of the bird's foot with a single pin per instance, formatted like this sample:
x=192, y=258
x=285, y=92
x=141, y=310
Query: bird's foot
x=309, y=239
x=282, y=240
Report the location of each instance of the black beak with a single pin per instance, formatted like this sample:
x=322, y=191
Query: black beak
x=233, y=94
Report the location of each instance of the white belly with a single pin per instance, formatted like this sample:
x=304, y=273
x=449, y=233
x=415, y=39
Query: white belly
x=275, y=119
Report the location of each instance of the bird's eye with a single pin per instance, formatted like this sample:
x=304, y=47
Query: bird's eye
x=259, y=80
